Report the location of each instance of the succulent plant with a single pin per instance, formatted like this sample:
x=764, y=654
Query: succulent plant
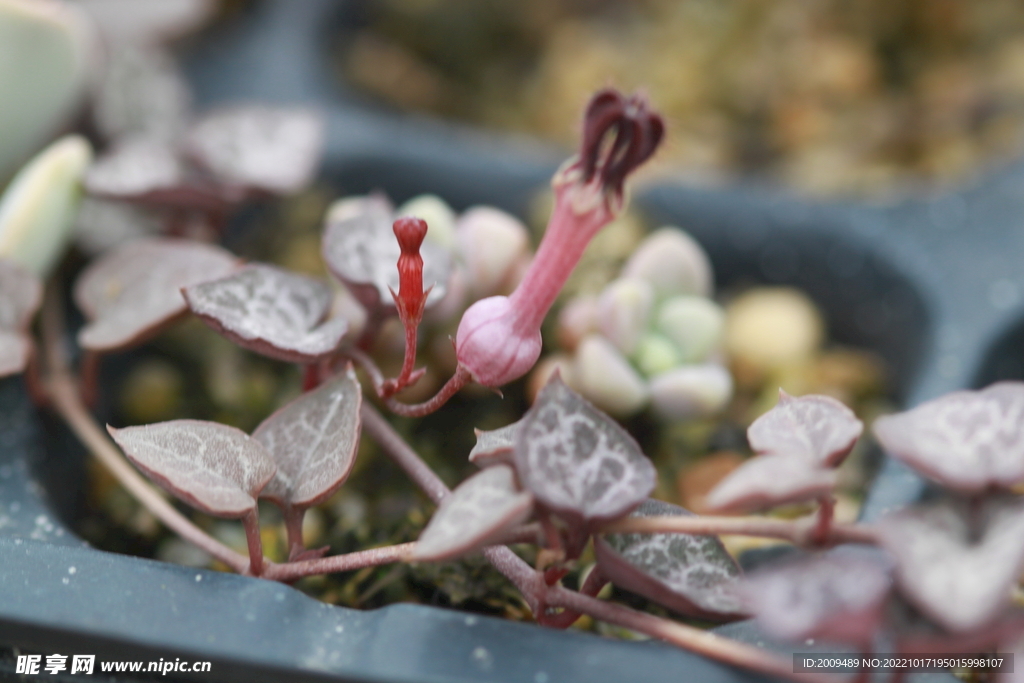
x=651, y=337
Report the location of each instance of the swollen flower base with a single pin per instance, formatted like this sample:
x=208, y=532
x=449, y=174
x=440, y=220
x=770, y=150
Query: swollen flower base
x=499, y=339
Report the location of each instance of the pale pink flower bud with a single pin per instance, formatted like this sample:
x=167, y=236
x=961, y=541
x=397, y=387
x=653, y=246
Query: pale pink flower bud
x=498, y=339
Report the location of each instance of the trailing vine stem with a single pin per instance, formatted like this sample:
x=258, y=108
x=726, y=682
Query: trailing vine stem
x=541, y=597
x=805, y=532
x=381, y=386
x=65, y=397
x=63, y=391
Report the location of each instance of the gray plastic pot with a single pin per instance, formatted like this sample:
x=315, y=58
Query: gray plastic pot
x=931, y=283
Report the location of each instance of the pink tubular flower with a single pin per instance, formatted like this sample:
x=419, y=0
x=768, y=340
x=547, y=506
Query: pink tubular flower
x=498, y=339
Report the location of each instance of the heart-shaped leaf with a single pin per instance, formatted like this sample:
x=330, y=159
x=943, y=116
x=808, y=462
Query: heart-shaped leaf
x=577, y=461
x=272, y=149
x=105, y=224
x=136, y=167
x=965, y=440
x=692, y=575
x=131, y=293
x=362, y=251
x=839, y=597
x=142, y=92
x=148, y=170
x=476, y=513
x=21, y=293
x=819, y=428
x=212, y=467
x=957, y=564
x=15, y=350
x=494, y=446
x=270, y=311
x=147, y=22
x=765, y=481
x=313, y=440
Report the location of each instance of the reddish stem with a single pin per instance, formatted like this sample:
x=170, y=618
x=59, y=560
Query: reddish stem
x=311, y=377
x=33, y=379
x=89, y=376
x=796, y=531
x=562, y=620
x=338, y=563
x=460, y=379
x=826, y=513
x=293, y=517
x=251, y=521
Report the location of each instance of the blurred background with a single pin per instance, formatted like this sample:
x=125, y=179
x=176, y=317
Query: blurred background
x=828, y=97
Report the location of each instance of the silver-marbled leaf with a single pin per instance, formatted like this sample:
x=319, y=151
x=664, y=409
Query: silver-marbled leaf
x=494, y=446
x=21, y=293
x=313, y=440
x=130, y=21
x=965, y=440
x=839, y=597
x=141, y=92
x=577, y=461
x=15, y=350
x=212, y=467
x=274, y=149
x=135, y=167
x=477, y=512
x=132, y=292
x=692, y=575
x=955, y=564
x=361, y=250
x=765, y=481
x=270, y=311
x=815, y=427
x=148, y=170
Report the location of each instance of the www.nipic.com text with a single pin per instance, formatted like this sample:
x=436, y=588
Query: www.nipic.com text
x=86, y=664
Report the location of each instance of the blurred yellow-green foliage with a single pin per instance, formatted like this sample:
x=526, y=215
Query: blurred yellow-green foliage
x=827, y=96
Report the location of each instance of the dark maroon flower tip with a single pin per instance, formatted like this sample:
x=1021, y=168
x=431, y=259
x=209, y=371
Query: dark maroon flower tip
x=634, y=129
x=410, y=233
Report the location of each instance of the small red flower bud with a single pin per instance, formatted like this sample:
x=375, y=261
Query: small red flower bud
x=411, y=298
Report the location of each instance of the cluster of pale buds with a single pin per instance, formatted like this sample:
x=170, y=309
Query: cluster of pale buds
x=652, y=337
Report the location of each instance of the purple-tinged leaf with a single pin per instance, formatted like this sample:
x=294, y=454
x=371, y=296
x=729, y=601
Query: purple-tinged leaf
x=692, y=575
x=577, y=461
x=131, y=21
x=141, y=92
x=104, y=224
x=838, y=597
x=21, y=293
x=765, y=481
x=313, y=440
x=957, y=564
x=15, y=350
x=273, y=149
x=819, y=428
x=479, y=511
x=494, y=446
x=133, y=292
x=212, y=467
x=362, y=251
x=135, y=168
x=270, y=311
x=149, y=171
x=965, y=440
